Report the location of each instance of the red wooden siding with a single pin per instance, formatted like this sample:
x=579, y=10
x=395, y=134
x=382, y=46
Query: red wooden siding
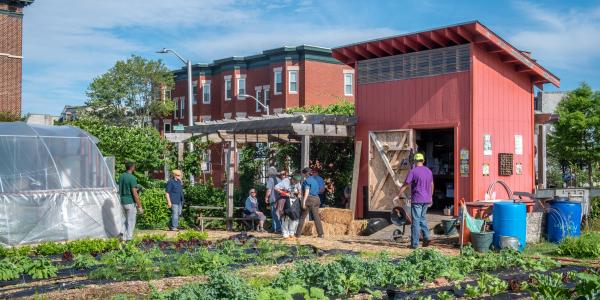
x=502, y=107
x=428, y=102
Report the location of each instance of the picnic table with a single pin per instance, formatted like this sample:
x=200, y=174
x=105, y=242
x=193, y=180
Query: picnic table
x=248, y=222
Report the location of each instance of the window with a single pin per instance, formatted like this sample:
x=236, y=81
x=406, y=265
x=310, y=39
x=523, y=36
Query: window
x=241, y=88
x=181, y=106
x=293, y=81
x=277, y=81
x=176, y=99
x=167, y=94
x=228, y=88
x=167, y=127
x=206, y=92
x=258, y=92
x=266, y=97
x=195, y=89
x=348, y=81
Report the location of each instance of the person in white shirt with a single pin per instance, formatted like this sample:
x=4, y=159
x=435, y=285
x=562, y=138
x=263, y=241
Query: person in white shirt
x=289, y=209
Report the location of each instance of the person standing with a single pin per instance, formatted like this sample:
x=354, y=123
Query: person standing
x=174, y=195
x=128, y=193
x=271, y=198
x=310, y=202
x=420, y=180
x=321, y=182
x=251, y=210
x=289, y=210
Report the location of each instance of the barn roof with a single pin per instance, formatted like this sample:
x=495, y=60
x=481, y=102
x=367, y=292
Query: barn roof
x=459, y=34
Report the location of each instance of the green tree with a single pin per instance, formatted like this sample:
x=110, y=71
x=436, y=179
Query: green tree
x=575, y=140
x=130, y=92
x=8, y=117
x=143, y=145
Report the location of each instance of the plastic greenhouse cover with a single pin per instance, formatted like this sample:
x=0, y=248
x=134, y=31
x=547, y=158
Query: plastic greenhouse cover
x=54, y=185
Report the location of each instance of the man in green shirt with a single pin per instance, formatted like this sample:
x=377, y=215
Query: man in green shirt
x=129, y=193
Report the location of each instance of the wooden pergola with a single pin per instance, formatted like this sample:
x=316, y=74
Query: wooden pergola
x=286, y=128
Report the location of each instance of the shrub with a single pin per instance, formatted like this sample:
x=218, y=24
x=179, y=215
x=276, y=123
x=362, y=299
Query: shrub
x=188, y=235
x=156, y=213
x=204, y=194
x=585, y=246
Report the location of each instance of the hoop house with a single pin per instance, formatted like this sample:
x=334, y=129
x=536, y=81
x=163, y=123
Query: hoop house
x=54, y=186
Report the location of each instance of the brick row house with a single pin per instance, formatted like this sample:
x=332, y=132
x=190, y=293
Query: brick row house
x=283, y=78
x=11, y=51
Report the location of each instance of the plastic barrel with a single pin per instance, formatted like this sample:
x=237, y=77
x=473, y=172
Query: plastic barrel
x=564, y=219
x=510, y=219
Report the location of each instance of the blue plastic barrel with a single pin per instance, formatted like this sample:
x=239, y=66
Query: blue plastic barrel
x=564, y=219
x=510, y=219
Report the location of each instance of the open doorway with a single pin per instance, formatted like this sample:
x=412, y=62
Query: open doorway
x=438, y=147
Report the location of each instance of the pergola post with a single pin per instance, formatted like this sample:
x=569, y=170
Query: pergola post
x=230, y=177
x=304, y=151
x=541, y=156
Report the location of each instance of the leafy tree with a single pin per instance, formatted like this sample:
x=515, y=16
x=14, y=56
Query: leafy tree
x=129, y=93
x=575, y=140
x=8, y=117
x=143, y=145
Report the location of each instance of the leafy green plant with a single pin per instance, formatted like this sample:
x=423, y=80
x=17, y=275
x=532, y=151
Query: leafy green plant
x=92, y=246
x=588, y=285
x=585, y=246
x=156, y=213
x=50, y=248
x=40, y=268
x=9, y=270
x=84, y=261
x=444, y=295
x=188, y=235
x=548, y=286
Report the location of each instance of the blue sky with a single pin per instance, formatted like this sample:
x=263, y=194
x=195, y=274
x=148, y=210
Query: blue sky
x=69, y=42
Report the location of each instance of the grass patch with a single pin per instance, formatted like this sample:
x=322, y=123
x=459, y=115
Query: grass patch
x=542, y=248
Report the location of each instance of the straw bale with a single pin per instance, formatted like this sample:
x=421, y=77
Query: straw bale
x=336, y=215
x=309, y=228
x=334, y=229
x=356, y=227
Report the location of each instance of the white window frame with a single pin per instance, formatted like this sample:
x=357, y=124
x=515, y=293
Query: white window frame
x=277, y=71
x=239, y=78
x=226, y=115
x=206, y=86
x=258, y=92
x=266, y=96
x=227, y=79
x=181, y=106
x=293, y=70
x=350, y=74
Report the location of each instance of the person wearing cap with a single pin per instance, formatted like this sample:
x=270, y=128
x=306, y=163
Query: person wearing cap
x=251, y=210
x=271, y=198
x=174, y=195
x=310, y=202
x=420, y=180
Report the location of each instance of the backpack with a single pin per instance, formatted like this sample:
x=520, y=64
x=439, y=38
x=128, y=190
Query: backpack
x=290, y=210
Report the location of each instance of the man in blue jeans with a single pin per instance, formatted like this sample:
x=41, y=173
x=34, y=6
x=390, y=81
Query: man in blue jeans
x=420, y=180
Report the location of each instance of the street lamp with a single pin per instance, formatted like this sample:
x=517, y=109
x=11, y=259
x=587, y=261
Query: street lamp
x=190, y=94
x=257, y=101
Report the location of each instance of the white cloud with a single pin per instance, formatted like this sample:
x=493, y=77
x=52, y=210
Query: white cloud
x=567, y=39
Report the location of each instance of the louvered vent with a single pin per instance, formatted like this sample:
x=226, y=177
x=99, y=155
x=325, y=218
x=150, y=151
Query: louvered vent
x=416, y=64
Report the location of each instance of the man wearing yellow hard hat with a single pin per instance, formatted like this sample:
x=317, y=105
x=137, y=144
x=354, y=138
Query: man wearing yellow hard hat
x=420, y=180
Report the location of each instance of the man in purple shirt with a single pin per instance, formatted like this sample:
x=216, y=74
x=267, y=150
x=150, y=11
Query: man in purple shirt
x=420, y=180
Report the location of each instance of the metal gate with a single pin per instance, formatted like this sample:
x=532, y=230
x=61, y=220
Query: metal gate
x=389, y=163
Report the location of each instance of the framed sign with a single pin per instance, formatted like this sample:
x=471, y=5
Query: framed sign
x=518, y=145
x=487, y=145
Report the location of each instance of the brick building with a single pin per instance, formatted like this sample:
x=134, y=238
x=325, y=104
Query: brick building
x=11, y=45
x=285, y=77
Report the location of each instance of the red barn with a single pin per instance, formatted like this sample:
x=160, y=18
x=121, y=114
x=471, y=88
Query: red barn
x=462, y=95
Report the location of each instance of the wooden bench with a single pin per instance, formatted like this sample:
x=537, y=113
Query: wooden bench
x=248, y=222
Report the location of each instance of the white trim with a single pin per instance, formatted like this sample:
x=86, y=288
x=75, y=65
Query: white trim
x=227, y=77
x=278, y=69
x=11, y=56
x=240, y=114
x=237, y=90
x=240, y=76
x=225, y=80
x=351, y=84
x=205, y=81
x=206, y=84
x=257, y=94
x=348, y=71
x=205, y=118
x=258, y=88
x=226, y=115
x=292, y=68
x=277, y=110
x=275, y=72
x=266, y=87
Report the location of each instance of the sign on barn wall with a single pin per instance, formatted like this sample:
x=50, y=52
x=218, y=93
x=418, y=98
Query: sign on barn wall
x=389, y=163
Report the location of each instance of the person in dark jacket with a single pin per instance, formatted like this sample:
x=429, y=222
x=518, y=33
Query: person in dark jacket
x=289, y=189
x=174, y=195
x=251, y=210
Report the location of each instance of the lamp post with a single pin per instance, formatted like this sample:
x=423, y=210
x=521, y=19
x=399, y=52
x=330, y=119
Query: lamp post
x=190, y=94
x=257, y=101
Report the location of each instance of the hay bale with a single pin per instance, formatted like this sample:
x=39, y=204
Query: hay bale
x=309, y=228
x=336, y=215
x=356, y=227
x=334, y=229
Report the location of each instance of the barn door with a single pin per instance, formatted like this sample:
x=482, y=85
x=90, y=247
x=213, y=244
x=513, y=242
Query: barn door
x=389, y=163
